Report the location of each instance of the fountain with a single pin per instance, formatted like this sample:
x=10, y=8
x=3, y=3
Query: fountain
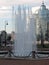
x=25, y=38
x=25, y=42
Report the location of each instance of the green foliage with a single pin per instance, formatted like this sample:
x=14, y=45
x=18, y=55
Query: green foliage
x=45, y=46
x=38, y=37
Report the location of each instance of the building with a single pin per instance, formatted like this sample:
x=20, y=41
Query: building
x=42, y=20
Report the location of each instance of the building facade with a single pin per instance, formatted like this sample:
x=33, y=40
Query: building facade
x=42, y=20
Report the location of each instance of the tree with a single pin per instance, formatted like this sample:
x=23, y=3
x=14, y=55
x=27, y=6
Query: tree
x=38, y=37
x=3, y=37
x=46, y=36
x=42, y=38
x=9, y=39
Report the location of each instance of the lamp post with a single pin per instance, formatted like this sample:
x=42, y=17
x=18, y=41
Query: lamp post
x=6, y=23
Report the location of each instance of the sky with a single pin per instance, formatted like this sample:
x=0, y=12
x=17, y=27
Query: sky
x=16, y=2
x=5, y=12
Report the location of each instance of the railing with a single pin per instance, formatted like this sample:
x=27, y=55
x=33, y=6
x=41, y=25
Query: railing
x=35, y=53
x=6, y=50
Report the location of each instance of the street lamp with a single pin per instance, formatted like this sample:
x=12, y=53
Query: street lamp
x=6, y=23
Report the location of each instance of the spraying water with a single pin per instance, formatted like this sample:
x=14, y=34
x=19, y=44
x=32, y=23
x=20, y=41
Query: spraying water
x=25, y=38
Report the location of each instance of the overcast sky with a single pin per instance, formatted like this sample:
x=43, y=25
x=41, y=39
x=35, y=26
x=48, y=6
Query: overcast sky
x=12, y=2
x=7, y=15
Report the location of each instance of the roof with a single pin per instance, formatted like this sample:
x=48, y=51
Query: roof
x=43, y=11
